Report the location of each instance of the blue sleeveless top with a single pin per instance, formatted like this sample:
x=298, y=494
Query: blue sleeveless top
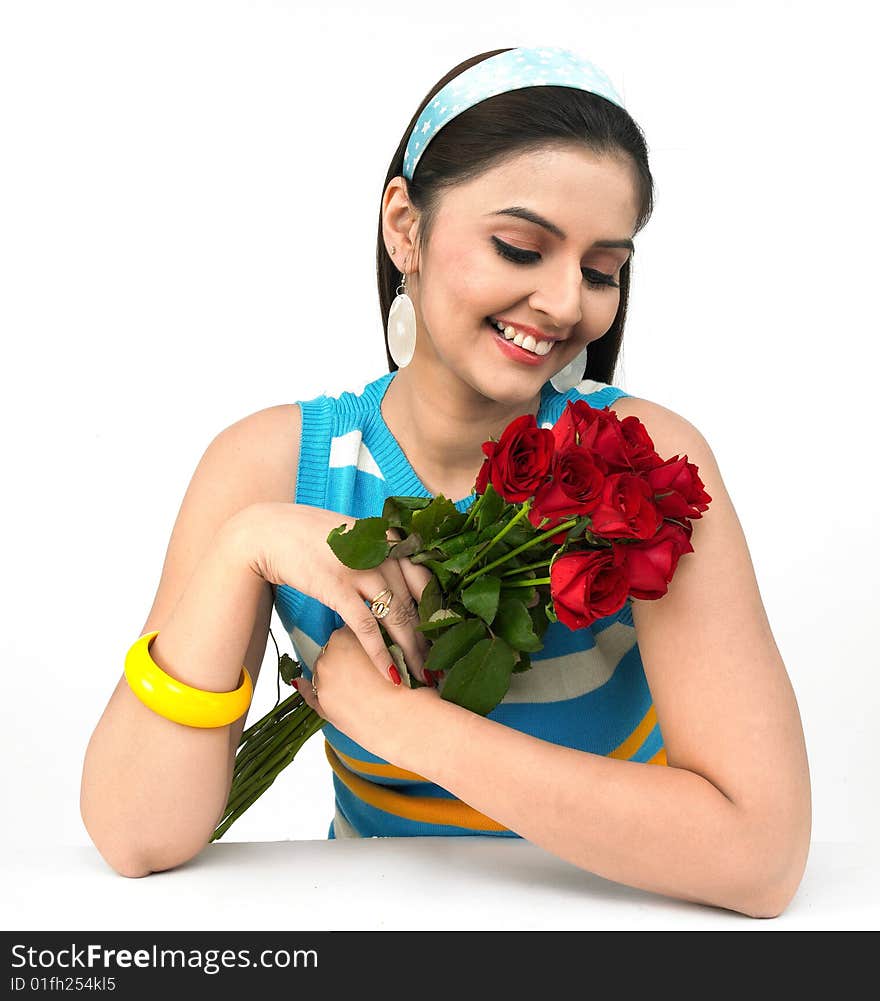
x=586, y=688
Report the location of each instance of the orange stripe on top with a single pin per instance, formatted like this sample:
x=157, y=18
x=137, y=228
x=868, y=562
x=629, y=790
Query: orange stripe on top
x=427, y=809
x=638, y=737
x=372, y=768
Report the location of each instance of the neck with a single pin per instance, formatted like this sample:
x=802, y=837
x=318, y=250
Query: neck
x=441, y=422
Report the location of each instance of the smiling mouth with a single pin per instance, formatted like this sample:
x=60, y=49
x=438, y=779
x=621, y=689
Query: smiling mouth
x=533, y=346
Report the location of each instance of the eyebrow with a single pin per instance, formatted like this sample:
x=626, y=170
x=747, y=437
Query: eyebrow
x=523, y=213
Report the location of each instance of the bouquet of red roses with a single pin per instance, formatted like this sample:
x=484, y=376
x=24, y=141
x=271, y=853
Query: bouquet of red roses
x=569, y=523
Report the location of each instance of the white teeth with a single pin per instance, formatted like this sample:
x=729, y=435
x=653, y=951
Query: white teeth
x=525, y=341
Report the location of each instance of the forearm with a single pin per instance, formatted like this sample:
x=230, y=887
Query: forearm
x=153, y=790
x=658, y=828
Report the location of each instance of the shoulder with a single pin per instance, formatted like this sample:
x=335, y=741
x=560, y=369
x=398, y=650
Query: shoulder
x=264, y=446
x=671, y=432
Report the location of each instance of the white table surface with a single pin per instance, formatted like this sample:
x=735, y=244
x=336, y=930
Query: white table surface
x=393, y=884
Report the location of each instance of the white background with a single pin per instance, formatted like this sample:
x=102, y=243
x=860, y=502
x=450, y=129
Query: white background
x=189, y=195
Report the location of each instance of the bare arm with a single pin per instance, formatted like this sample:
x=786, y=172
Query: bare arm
x=153, y=791
x=726, y=823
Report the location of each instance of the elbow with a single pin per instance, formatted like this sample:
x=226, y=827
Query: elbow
x=128, y=856
x=136, y=862
x=777, y=856
x=132, y=850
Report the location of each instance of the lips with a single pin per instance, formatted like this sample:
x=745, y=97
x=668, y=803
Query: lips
x=549, y=344
x=523, y=329
x=513, y=351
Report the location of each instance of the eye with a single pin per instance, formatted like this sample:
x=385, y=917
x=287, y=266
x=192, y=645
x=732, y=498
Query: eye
x=519, y=256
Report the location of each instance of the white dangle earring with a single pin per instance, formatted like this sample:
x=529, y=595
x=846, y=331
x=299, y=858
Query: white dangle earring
x=402, y=325
x=573, y=373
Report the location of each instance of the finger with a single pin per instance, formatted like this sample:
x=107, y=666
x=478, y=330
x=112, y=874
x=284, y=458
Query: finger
x=402, y=618
x=365, y=627
x=416, y=579
x=304, y=687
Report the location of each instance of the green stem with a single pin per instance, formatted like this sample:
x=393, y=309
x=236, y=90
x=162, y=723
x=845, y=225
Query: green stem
x=522, y=513
x=278, y=710
x=249, y=757
x=528, y=583
x=272, y=753
x=472, y=512
x=526, y=545
x=242, y=797
x=232, y=817
x=530, y=566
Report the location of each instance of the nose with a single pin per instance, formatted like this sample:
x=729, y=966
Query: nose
x=559, y=297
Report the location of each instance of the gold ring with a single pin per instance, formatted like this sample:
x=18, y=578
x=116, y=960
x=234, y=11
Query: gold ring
x=315, y=683
x=380, y=607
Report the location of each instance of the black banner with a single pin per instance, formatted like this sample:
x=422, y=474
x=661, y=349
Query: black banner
x=396, y=963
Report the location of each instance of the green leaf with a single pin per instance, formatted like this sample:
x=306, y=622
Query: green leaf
x=363, y=546
x=458, y=543
x=480, y=679
x=458, y=562
x=454, y=644
x=409, y=546
x=398, y=505
x=481, y=597
x=431, y=599
x=540, y=622
x=576, y=531
x=551, y=611
x=523, y=664
x=427, y=522
x=523, y=594
x=514, y=624
x=443, y=575
x=521, y=532
x=289, y=668
x=441, y=619
x=490, y=510
x=452, y=524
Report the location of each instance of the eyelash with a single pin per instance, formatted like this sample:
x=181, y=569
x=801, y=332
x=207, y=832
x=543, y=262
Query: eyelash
x=529, y=257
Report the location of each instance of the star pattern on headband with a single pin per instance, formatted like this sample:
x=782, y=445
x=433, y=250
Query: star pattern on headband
x=511, y=70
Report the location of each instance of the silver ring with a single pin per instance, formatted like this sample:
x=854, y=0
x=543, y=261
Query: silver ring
x=315, y=669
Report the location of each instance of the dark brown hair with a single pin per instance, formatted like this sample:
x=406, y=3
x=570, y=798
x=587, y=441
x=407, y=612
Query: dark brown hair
x=515, y=122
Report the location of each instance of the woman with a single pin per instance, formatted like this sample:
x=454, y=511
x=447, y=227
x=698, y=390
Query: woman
x=662, y=747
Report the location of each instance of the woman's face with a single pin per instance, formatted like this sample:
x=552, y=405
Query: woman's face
x=484, y=261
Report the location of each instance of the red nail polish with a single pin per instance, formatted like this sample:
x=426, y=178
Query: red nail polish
x=293, y=682
x=429, y=677
x=394, y=674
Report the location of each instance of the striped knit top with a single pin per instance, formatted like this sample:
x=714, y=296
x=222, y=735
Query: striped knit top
x=586, y=688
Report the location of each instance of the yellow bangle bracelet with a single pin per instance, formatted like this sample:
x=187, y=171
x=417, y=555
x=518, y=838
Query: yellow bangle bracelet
x=179, y=702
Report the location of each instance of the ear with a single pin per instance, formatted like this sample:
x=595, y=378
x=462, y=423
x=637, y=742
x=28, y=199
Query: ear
x=400, y=223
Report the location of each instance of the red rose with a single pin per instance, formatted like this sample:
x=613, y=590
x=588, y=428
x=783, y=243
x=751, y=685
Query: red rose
x=597, y=430
x=573, y=491
x=519, y=462
x=626, y=509
x=640, y=451
x=677, y=479
x=586, y=586
x=651, y=564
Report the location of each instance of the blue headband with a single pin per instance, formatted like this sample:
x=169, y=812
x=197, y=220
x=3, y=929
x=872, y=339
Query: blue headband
x=511, y=70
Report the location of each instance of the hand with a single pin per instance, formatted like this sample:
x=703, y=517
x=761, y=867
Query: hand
x=351, y=697
x=293, y=550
